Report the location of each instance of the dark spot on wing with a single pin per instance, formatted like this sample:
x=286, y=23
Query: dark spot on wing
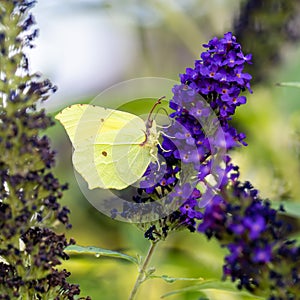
x=102, y=120
x=104, y=153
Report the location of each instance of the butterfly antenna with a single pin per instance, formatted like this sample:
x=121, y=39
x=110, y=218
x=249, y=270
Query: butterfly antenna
x=165, y=111
x=150, y=120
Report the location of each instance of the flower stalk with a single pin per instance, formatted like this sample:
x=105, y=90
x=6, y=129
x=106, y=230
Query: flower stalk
x=143, y=272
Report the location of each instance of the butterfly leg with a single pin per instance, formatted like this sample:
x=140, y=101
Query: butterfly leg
x=160, y=145
x=152, y=153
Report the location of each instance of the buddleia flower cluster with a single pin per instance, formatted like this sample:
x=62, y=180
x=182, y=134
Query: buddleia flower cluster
x=195, y=146
x=214, y=201
x=30, y=251
x=261, y=258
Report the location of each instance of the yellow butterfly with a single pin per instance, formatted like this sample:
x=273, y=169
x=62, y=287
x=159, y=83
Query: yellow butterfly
x=112, y=148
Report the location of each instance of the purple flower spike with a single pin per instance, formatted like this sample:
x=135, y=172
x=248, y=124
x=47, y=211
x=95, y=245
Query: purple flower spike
x=203, y=105
x=262, y=255
x=256, y=225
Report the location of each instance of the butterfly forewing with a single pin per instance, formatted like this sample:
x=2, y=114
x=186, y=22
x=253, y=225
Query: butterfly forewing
x=109, y=145
x=82, y=121
x=124, y=162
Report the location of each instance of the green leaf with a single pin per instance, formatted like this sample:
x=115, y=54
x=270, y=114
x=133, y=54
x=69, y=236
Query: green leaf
x=100, y=252
x=211, y=285
x=289, y=84
x=173, y=279
x=291, y=208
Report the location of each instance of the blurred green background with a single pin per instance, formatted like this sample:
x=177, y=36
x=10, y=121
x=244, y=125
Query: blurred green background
x=87, y=46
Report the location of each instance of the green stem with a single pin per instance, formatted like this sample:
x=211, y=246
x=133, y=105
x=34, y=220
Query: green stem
x=142, y=271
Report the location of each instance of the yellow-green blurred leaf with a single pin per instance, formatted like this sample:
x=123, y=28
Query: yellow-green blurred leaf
x=289, y=84
x=100, y=252
x=210, y=285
